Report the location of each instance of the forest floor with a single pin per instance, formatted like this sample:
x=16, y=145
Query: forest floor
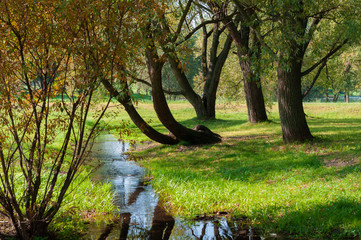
x=310, y=190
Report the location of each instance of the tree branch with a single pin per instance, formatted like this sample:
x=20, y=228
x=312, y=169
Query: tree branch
x=180, y=24
x=314, y=79
x=150, y=85
x=190, y=34
x=330, y=53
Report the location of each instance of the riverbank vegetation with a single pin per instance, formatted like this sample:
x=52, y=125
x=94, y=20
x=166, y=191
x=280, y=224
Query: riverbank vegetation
x=61, y=60
x=309, y=190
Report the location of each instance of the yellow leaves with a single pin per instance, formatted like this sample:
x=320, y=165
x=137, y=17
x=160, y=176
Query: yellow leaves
x=182, y=66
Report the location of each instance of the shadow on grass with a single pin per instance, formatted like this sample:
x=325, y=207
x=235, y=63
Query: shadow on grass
x=261, y=158
x=244, y=161
x=340, y=219
x=324, y=125
x=216, y=123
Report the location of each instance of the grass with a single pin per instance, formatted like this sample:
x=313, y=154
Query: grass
x=309, y=190
x=87, y=201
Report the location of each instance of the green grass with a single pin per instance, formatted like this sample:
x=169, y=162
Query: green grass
x=87, y=201
x=310, y=190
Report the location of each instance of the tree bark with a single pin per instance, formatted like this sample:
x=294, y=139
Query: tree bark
x=254, y=96
x=295, y=40
x=150, y=132
x=204, y=106
x=292, y=116
x=246, y=40
x=188, y=92
x=161, y=107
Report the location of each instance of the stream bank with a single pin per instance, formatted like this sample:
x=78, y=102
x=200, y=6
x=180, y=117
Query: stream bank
x=141, y=214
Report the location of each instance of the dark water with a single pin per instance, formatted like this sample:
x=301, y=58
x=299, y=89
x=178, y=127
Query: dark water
x=142, y=216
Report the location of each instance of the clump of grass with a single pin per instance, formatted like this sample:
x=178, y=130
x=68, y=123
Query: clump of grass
x=90, y=201
x=309, y=190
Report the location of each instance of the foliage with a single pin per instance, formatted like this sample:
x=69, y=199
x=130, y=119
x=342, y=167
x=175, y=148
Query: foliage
x=342, y=73
x=44, y=142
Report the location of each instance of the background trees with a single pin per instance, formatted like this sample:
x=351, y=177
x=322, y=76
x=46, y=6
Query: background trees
x=294, y=25
x=69, y=49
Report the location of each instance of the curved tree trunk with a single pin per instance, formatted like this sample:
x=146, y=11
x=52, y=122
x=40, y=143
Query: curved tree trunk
x=188, y=92
x=292, y=116
x=136, y=118
x=205, y=105
x=211, y=66
x=161, y=107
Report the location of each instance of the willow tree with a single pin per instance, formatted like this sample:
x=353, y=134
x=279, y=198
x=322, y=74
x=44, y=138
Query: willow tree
x=110, y=45
x=149, y=22
x=200, y=134
x=43, y=141
x=288, y=29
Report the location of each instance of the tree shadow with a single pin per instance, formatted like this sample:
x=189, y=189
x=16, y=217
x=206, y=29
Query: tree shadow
x=243, y=161
x=339, y=219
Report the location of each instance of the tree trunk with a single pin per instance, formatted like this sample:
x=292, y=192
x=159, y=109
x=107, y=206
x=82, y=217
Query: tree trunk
x=188, y=92
x=254, y=95
x=246, y=41
x=162, y=109
x=205, y=106
x=347, y=97
x=150, y=132
x=292, y=116
x=335, y=97
x=28, y=230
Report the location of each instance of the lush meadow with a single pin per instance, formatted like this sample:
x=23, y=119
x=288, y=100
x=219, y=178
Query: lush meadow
x=309, y=190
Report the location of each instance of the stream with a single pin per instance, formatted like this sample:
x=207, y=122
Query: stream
x=142, y=216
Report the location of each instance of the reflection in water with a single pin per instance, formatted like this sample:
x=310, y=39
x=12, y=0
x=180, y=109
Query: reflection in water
x=142, y=216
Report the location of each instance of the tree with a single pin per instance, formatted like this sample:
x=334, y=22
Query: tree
x=174, y=34
x=249, y=54
x=212, y=58
x=341, y=73
x=38, y=63
x=294, y=24
x=200, y=134
x=105, y=30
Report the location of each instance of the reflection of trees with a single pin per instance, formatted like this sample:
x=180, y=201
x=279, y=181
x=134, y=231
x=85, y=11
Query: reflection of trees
x=202, y=234
x=107, y=231
x=125, y=226
x=222, y=230
x=162, y=224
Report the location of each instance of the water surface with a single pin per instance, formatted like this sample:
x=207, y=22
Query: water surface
x=141, y=214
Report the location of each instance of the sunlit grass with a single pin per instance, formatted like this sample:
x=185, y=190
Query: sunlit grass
x=310, y=190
